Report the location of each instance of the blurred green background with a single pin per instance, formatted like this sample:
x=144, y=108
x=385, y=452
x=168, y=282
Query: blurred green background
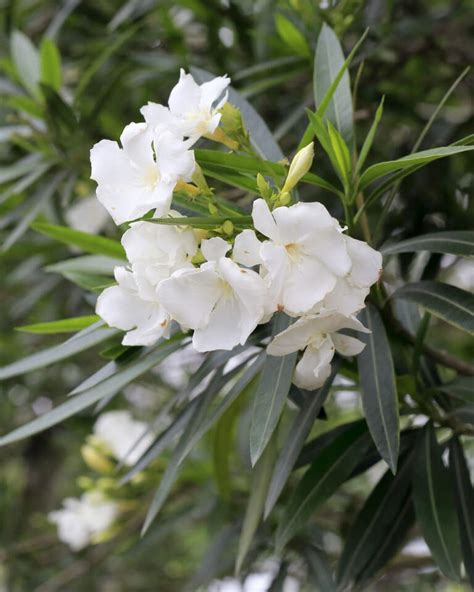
x=116, y=56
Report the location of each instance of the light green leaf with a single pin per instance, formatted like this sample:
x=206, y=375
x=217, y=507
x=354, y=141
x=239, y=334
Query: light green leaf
x=328, y=62
x=457, y=242
x=379, y=391
x=331, y=467
x=27, y=62
x=449, y=303
x=91, y=264
x=70, y=325
x=369, y=138
x=80, y=342
x=50, y=64
x=90, y=396
x=381, y=169
x=434, y=504
x=297, y=435
x=90, y=243
x=271, y=395
x=292, y=36
x=341, y=153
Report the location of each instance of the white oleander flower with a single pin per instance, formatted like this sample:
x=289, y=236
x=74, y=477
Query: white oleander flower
x=81, y=519
x=221, y=301
x=125, y=437
x=305, y=255
x=141, y=175
x=350, y=292
x=193, y=109
x=155, y=252
x=319, y=334
x=121, y=306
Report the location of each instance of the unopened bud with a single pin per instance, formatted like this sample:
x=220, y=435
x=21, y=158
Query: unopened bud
x=263, y=186
x=284, y=199
x=213, y=209
x=228, y=228
x=299, y=166
x=96, y=460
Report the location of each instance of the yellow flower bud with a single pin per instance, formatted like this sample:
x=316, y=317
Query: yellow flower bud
x=263, y=186
x=299, y=166
x=228, y=228
x=96, y=460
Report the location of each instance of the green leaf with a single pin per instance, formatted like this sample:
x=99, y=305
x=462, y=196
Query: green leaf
x=84, y=340
x=203, y=221
x=27, y=62
x=461, y=388
x=50, y=64
x=70, y=325
x=261, y=474
x=381, y=169
x=297, y=435
x=341, y=153
x=434, y=504
x=261, y=137
x=364, y=152
x=330, y=468
x=21, y=167
x=328, y=62
x=91, y=264
x=457, y=242
x=58, y=111
x=89, y=243
x=88, y=397
x=368, y=533
x=379, y=391
x=292, y=36
x=449, y=303
x=271, y=395
x=319, y=570
x=464, y=499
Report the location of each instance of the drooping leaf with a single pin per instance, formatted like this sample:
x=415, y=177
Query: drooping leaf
x=297, y=435
x=464, y=499
x=378, y=388
x=368, y=533
x=381, y=169
x=447, y=302
x=434, y=504
x=70, y=325
x=329, y=60
x=331, y=467
x=261, y=137
x=458, y=242
x=84, y=340
x=90, y=396
x=50, y=64
x=89, y=243
x=271, y=395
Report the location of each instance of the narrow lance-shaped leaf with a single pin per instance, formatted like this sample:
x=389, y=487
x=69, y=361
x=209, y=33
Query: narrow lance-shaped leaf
x=297, y=435
x=329, y=60
x=50, y=64
x=461, y=388
x=464, y=499
x=458, y=242
x=70, y=325
x=271, y=395
x=319, y=569
x=434, y=504
x=27, y=62
x=364, y=152
x=331, y=467
x=379, y=392
x=447, y=302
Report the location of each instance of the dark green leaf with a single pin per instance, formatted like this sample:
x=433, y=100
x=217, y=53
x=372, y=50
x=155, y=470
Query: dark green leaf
x=331, y=467
x=319, y=570
x=461, y=388
x=434, y=504
x=271, y=395
x=464, y=498
x=379, y=392
x=458, y=242
x=89, y=243
x=449, y=303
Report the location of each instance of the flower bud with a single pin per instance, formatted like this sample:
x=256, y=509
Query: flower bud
x=263, y=186
x=96, y=460
x=299, y=166
x=284, y=199
x=228, y=228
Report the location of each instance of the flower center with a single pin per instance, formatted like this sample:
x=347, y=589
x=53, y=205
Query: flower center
x=293, y=250
x=151, y=177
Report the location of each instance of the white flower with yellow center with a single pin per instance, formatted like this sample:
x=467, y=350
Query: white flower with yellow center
x=221, y=301
x=319, y=336
x=193, y=109
x=141, y=175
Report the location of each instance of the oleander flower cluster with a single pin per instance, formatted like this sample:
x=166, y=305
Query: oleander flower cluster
x=293, y=258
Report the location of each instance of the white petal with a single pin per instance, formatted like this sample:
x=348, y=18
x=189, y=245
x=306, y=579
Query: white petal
x=314, y=367
x=190, y=295
x=160, y=119
x=263, y=220
x=214, y=248
x=185, y=96
x=211, y=91
x=247, y=249
x=222, y=331
x=173, y=158
x=329, y=246
x=346, y=298
x=347, y=346
x=301, y=220
x=297, y=336
x=366, y=263
x=136, y=140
